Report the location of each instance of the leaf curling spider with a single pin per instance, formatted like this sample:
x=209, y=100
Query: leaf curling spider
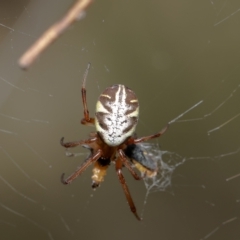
x=116, y=117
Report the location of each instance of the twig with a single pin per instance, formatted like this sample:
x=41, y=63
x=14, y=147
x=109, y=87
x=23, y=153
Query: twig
x=53, y=33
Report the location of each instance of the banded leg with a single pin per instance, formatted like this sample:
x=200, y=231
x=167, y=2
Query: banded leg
x=127, y=164
x=76, y=143
x=125, y=188
x=143, y=139
x=86, y=120
x=83, y=167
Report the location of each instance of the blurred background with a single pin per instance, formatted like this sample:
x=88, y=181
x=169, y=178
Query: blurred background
x=176, y=56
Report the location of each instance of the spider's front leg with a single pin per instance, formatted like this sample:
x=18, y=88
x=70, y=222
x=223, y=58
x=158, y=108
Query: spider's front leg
x=126, y=163
x=93, y=158
x=125, y=188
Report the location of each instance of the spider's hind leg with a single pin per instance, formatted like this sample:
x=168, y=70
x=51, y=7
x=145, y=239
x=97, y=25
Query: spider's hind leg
x=87, y=120
x=77, y=143
x=144, y=139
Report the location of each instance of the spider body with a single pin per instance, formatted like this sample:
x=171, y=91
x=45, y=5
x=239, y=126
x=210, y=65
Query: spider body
x=115, y=120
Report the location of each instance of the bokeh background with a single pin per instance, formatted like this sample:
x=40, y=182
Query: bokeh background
x=175, y=55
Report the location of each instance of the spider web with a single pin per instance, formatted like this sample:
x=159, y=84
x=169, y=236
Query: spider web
x=182, y=60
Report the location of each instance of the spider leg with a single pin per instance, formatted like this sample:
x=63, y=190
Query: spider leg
x=86, y=120
x=125, y=188
x=82, y=167
x=127, y=164
x=76, y=143
x=70, y=154
x=143, y=139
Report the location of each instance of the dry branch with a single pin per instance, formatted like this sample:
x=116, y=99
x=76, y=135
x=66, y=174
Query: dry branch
x=53, y=33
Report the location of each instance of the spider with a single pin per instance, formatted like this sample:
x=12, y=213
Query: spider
x=116, y=117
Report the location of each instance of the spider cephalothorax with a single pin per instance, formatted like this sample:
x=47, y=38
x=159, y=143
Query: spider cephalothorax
x=116, y=115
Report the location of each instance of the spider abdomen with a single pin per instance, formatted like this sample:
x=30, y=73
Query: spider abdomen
x=117, y=112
